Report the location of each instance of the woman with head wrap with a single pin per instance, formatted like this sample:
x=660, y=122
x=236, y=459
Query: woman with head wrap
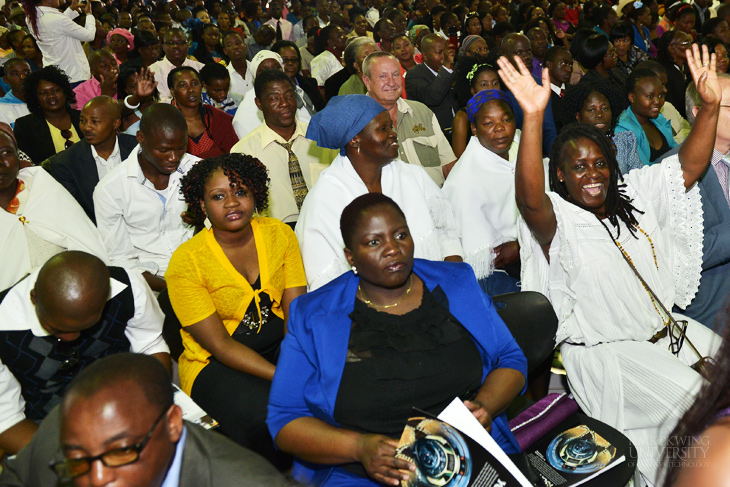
x=481, y=188
x=416, y=33
x=368, y=162
x=393, y=333
x=248, y=116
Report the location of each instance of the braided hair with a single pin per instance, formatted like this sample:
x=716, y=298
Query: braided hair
x=241, y=170
x=618, y=205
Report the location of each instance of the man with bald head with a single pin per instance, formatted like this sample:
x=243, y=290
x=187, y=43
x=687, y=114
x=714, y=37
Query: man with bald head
x=138, y=205
x=517, y=45
x=103, y=81
x=59, y=319
x=430, y=82
x=80, y=167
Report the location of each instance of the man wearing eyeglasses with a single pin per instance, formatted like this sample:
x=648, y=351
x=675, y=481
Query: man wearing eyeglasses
x=175, y=46
x=119, y=426
x=59, y=319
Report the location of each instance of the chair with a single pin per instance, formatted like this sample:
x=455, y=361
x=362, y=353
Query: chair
x=533, y=323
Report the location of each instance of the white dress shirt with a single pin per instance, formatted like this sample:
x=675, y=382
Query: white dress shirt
x=261, y=143
x=239, y=84
x=140, y=225
x=105, y=166
x=59, y=38
x=287, y=29
x=162, y=69
x=17, y=313
x=325, y=65
x=557, y=89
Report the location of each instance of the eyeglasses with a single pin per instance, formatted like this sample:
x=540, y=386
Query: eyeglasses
x=70, y=468
x=67, y=134
x=290, y=60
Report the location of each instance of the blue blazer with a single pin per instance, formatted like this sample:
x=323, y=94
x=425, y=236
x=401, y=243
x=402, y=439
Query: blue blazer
x=628, y=122
x=313, y=352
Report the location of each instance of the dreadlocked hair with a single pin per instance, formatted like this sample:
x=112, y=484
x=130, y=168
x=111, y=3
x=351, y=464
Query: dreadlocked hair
x=618, y=205
x=241, y=170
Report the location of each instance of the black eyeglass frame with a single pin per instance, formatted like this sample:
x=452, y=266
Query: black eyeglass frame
x=61, y=467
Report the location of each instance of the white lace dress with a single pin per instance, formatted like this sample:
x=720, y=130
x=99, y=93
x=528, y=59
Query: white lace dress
x=606, y=316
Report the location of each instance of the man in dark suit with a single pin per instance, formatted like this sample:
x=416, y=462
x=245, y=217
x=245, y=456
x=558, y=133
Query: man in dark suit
x=559, y=63
x=119, y=424
x=430, y=82
x=80, y=167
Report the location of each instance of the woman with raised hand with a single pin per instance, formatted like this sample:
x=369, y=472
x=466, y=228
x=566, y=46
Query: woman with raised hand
x=612, y=258
x=393, y=333
x=230, y=286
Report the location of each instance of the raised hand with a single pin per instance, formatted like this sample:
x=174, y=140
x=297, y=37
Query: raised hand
x=87, y=8
x=146, y=83
x=532, y=97
x=377, y=455
x=109, y=83
x=704, y=74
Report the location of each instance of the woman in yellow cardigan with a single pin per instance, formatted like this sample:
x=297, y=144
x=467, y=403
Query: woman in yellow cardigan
x=230, y=287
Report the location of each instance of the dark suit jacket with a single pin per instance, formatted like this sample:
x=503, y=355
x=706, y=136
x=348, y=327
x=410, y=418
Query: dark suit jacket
x=557, y=102
x=715, y=281
x=333, y=83
x=75, y=169
x=309, y=85
x=209, y=460
x=34, y=136
x=676, y=86
x=433, y=91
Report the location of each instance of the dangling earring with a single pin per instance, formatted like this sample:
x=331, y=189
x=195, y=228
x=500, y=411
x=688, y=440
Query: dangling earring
x=358, y=149
x=354, y=269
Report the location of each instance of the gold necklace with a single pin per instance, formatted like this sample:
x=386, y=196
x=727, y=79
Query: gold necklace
x=386, y=306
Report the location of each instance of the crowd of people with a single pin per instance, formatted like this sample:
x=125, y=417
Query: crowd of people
x=302, y=209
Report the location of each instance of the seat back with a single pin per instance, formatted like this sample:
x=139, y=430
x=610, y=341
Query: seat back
x=531, y=319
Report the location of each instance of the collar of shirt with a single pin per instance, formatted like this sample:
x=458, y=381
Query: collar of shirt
x=227, y=103
x=134, y=170
x=172, y=479
x=402, y=106
x=557, y=89
x=112, y=156
x=11, y=98
x=268, y=136
x=18, y=312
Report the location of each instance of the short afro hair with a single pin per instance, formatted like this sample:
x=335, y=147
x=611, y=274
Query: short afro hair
x=52, y=74
x=213, y=71
x=352, y=215
x=267, y=77
x=575, y=97
x=241, y=169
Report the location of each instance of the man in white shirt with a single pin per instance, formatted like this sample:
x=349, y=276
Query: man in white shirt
x=559, y=62
x=420, y=138
x=80, y=167
x=138, y=205
x=239, y=67
x=12, y=105
x=59, y=319
x=175, y=46
x=59, y=38
x=282, y=26
x=272, y=142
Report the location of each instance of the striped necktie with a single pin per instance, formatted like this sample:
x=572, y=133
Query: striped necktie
x=298, y=184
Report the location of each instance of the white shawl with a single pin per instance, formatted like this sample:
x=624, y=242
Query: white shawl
x=52, y=214
x=427, y=211
x=481, y=188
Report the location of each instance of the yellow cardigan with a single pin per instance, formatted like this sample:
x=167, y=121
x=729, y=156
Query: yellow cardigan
x=202, y=281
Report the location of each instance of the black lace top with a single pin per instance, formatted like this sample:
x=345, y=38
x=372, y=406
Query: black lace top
x=424, y=359
x=267, y=339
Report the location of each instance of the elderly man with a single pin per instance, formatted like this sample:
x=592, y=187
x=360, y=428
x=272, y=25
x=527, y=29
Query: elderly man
x=61, y=318
x=355, y=53
x=714, y=288
x=80, y=167
x=420, y=138
x=175, y=46
x=138, y=205
x=519, y=45
x=121, y=408
x=294, y=162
